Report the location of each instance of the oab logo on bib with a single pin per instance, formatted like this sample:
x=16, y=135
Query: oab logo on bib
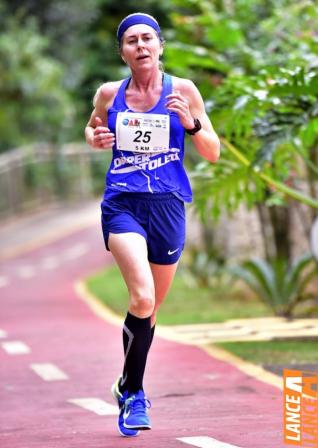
x=140, y=132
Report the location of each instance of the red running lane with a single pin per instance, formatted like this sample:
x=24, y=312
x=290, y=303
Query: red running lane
x=44, y=312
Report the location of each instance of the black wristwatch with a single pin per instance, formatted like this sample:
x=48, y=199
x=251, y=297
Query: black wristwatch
x=197, y=127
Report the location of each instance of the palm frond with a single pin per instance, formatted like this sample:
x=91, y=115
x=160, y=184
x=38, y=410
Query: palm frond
x=224, y=187
x=247, y=276
x=277, y=285
x=296, y=270
x=264, y=274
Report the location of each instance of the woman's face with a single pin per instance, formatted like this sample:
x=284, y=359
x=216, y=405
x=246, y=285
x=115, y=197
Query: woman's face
x=141, y=47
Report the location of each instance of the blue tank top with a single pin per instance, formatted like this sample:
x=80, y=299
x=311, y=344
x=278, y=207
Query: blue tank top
x=152, y=173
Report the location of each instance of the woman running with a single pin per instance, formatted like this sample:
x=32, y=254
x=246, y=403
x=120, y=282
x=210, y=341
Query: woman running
x=143, y=119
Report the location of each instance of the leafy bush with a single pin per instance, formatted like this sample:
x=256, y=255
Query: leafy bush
x=279, y=285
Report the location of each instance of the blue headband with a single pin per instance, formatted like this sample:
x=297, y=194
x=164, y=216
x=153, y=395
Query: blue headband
x=136, y=19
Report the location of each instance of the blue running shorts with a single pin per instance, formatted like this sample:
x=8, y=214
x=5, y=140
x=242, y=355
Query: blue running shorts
x=158, y=217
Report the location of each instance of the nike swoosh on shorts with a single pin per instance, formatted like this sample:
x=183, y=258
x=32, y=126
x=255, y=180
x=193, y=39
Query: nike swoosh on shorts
x=171, y=252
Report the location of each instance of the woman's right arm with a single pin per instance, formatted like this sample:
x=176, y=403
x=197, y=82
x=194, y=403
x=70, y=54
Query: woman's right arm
x=97, y=134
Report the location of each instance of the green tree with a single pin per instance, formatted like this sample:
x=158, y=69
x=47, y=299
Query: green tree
x=34, y=105
x=260, y=86
x=63, y=29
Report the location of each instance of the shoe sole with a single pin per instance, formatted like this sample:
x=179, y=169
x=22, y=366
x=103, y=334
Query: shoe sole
x=127, y=435
x=141, y=427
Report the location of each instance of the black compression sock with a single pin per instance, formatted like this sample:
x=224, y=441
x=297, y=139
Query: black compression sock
x=136, y=339
x=125, y=342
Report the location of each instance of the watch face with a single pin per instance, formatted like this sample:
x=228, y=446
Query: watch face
x=197, y=124
x=197, y=127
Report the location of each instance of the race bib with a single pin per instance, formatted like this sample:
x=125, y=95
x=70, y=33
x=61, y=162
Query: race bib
x=144, y=133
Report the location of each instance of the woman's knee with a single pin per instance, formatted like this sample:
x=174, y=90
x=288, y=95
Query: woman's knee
x=142, y=302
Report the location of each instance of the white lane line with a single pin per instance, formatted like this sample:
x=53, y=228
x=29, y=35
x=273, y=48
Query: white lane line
x=100, y=407
x=49, y=372
x=76, y=251
x=3, y=281
x=49, y=263
x=205, y=442
x=212, y=376
x=15, y=347
x=3, y=334
x=26, y=271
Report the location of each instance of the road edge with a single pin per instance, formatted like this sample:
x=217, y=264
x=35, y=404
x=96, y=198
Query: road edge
x=105, y=313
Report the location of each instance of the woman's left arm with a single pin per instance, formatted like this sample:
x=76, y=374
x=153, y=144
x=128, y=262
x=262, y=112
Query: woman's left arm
x=187, y=102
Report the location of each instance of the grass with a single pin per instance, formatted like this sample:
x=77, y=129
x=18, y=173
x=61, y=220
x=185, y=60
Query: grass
x=183, y=305
x=274, y=352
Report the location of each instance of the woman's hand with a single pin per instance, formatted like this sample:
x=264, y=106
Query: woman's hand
x=176, y=102
x=102, y=137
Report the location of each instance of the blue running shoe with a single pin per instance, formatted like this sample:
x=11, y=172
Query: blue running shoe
x=123, y=431
x=120, y=400
x=136, y=411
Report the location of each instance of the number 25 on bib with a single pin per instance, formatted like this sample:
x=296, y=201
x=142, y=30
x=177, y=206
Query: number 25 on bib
x=145, y=133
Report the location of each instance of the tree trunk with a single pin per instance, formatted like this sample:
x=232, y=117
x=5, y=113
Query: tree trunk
x=267, y=231
x=280, y=219
x=275, y=228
